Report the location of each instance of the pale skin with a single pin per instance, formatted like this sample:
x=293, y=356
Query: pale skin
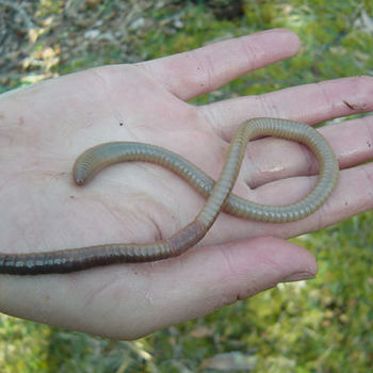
x=45, y=127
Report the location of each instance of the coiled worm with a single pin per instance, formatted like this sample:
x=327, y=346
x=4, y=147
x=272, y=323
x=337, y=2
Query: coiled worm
x=217, y=193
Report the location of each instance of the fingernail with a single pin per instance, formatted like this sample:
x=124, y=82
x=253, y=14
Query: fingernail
x=298, y=276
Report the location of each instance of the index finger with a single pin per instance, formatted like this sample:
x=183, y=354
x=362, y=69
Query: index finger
x=205, y=69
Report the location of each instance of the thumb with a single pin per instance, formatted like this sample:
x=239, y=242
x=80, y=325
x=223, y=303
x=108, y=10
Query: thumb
x=208, y=278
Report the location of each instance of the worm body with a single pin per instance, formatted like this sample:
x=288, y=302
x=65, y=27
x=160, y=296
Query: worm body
x=218, y=196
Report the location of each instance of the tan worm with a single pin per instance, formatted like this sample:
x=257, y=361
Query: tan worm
x=218, y=193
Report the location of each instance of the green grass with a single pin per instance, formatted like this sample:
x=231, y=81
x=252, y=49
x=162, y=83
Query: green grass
x=323, y=325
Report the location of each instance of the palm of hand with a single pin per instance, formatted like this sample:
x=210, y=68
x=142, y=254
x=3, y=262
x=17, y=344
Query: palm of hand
x=137, y=203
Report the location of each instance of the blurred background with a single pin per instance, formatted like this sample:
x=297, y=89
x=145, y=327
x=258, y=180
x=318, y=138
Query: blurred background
x=324, y=325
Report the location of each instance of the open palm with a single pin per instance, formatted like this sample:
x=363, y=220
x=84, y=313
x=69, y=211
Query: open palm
x=45, y=127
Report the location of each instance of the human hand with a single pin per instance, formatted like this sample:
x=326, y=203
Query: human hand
x=45, y=127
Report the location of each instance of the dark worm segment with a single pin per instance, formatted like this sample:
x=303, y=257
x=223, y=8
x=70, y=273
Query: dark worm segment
x=218, y=198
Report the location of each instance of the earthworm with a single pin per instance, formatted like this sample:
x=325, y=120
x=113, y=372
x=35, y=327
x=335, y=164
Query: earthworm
x=218, y=195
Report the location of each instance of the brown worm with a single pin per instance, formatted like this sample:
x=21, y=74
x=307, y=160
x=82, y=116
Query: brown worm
x=217, y=193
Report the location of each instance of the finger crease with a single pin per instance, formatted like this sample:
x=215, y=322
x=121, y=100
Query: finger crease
x=369, y=129
x=249, y=51
x=324, y=93
x=268, y=106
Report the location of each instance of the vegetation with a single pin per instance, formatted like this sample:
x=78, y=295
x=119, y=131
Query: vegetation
x=323, y=325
